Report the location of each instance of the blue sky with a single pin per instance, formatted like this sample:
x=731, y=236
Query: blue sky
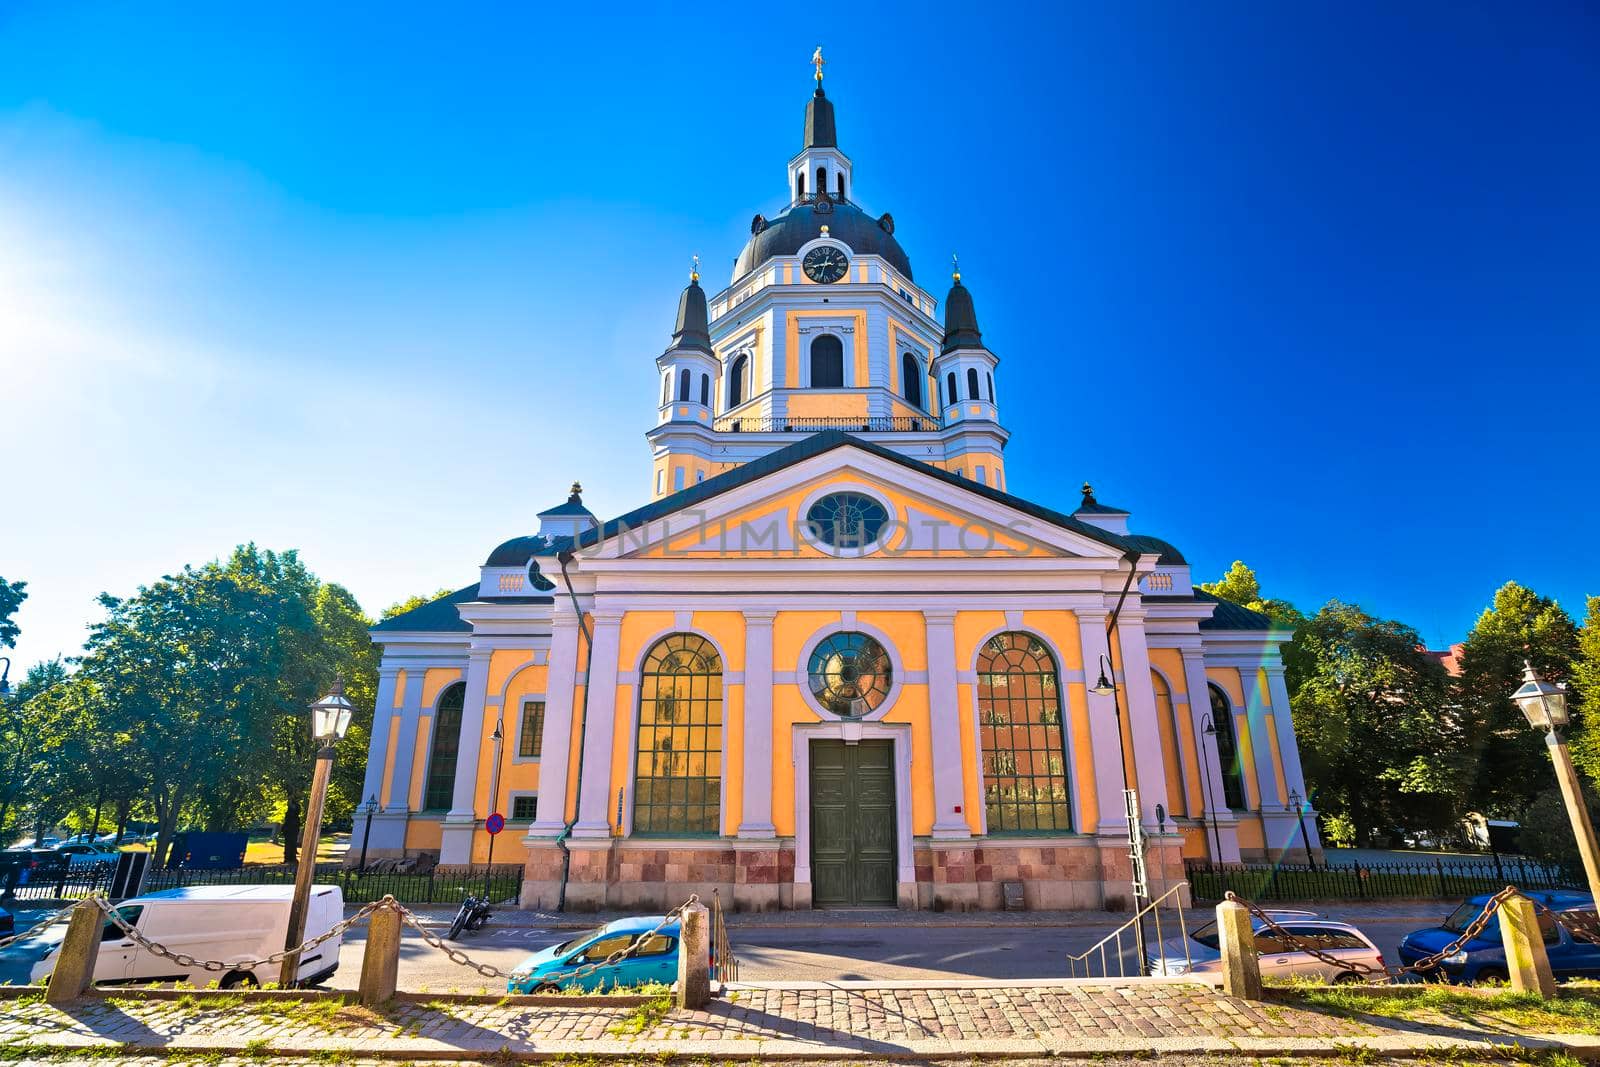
x=1309, y=285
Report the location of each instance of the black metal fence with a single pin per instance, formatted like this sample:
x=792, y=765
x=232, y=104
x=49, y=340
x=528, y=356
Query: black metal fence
x=442, y=885
x=1420, y=879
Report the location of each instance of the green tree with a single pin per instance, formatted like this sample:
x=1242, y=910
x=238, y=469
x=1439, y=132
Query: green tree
x=1240, y=586
x=1505, y=763
x=1585, y=693
x=12, y=594
x=1368, y=717
x=35, y=728
x=412, y=603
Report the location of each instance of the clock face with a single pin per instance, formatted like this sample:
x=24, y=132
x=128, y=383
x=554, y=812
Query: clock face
x=826, y=264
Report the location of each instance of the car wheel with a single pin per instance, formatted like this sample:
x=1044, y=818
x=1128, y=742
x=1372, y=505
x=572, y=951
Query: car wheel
x=240, y=980
x=1348, y=978
x=546, y=987
x=1491, y=974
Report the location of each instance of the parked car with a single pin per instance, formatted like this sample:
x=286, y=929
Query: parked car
x=232, y=924
x=8, y=925
x=1279, y=956
x=1567, y=919
x=84, y=854
x=655, y=961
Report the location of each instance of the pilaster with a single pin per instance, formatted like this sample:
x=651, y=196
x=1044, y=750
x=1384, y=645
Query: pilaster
x=1144, y=728
x=382, y=725
x=594, y=795
x=405, y=748
x=556, y=740
x=461, y=821
x=1222, y=828
x=944, y=728
x=1105, y=738
x=756, y=821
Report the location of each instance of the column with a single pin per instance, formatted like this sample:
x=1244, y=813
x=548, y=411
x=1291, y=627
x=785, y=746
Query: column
x=1289, y=747
x=1139, y=704
x=389, y=825
x=1105, y=738
x=461, y=821
x=382, y=720
x=944, y=728
x=405, y=747
x=1222, y=835
x=757, y=801
x=600, y=694
x=1255, y=701
x=559, y=714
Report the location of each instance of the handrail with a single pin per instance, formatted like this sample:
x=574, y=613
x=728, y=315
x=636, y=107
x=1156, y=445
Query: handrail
x=1116, y=935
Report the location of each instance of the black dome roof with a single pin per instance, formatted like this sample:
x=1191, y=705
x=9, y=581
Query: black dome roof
x=784, y=235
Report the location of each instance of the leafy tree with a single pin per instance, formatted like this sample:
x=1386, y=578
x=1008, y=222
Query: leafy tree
x=1546, y=832
x=12, y=594
x=35, y=728
x=412, y=603
x=1505, y=764
x=1368, y=717
x=1585, y=693
x=1240, y=586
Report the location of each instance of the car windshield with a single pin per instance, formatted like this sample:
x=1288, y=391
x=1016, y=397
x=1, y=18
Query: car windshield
x=579, y=941
x=1207, y=934
x=1458, y=920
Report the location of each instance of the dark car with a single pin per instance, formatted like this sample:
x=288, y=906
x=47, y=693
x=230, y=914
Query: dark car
x=1567, y=919
x=8, y=925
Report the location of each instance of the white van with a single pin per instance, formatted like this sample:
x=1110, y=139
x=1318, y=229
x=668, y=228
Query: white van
x=230, y=923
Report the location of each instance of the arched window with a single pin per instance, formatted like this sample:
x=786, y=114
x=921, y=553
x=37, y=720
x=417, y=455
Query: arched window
x=950, y=396
x=991, y=387
x=683, y=384
x=1227, y=750
x=822, y=181
x=441, y=787
x=972, y=384
x=911, y=372
x=666, y=388
x=1025, y=782
x=736, y=381
x=705, y=389
x=800, y=186
x=1167, y=727
x=678, y=769
x=827, y=362
x=839, y=181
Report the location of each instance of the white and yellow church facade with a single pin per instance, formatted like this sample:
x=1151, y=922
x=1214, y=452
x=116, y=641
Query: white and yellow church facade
x=834, y=661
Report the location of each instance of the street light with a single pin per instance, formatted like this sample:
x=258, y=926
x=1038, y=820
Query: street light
x=1545, y=707
x=1208, y=728
x=371, y=809
x=1297, y=804
x=330, y=718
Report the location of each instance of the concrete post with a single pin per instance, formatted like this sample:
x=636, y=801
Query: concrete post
x=1241, y=967
x=74, y=970
x=1527, y=964
x=694, y=957
x=380, y=964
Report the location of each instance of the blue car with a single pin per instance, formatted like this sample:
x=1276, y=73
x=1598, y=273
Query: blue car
x=8, y=925
x=1567, y=919
x=656, y=960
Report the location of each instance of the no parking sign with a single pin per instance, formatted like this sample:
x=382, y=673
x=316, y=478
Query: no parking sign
x=495, y=823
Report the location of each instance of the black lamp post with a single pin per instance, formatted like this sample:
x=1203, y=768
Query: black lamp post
x=371, y=808
x=1297, y=804
x=330, y=718
x=1208, y=728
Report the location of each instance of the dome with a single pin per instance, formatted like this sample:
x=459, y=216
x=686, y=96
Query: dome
x=783, y=236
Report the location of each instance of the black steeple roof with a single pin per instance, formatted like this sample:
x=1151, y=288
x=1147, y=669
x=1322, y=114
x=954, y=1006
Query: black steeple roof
x=694, y=326
x=819, y=122
x=960, y=319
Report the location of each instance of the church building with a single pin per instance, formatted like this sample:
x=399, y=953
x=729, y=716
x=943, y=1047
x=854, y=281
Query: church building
x=833, y=660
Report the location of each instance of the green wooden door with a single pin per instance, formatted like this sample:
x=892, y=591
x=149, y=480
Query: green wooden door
x=852, y=824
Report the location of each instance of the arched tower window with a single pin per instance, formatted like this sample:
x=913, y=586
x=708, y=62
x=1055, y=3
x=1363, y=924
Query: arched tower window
x=950, y=396
x=683, y=385
x=736, y=381
x=911, y=377
x=705, y=389
x=1026, y=787
x=666, y=388
x=800, y=186
x=972, y=384
x=678, y=769
x=827, y=362
x=1227, y=750
x=838, y=178
x=991, y=386
x=446, y=744
x=822, y=181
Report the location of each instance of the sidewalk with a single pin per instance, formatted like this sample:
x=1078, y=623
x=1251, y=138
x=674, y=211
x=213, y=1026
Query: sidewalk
x=817, y=1020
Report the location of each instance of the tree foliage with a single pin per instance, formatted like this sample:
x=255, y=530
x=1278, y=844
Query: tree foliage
x=12, y=594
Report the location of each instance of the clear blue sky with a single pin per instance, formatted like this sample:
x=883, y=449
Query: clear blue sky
x=1314, y=286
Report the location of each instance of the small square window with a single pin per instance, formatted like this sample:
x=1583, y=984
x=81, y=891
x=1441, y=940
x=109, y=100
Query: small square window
x=524, y=808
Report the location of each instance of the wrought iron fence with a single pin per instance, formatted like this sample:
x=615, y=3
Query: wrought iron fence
x=1424, y=878
x=724, y=965
x=53, y=881
x=786, y=424
x=442, y=885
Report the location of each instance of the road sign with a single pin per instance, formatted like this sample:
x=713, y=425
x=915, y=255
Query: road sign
x=495, y=823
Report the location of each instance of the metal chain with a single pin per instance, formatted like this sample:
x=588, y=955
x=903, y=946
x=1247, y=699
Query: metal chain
x=1426, y=963
x=183, y=959
x=59, y=916
x=489, y=970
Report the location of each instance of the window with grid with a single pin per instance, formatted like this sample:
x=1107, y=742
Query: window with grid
x=531, y=742
x=1025, y=782
x=446, y=744
x=678, y=774
x=1227, y=750
x=524, y=808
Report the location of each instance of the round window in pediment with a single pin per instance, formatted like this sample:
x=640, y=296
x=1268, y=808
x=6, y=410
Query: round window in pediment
x=850, y=674
x=847, y=520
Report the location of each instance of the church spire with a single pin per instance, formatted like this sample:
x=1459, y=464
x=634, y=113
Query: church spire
x=693, y=328
x=819, y=112
x=960, y=317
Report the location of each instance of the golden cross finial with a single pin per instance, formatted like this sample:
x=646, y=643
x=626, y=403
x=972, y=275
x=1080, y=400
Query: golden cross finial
x=694, y=271
x=817, y=61
x=955, y=267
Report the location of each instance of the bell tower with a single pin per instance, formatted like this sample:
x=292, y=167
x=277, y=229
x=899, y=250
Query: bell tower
x=820, y=168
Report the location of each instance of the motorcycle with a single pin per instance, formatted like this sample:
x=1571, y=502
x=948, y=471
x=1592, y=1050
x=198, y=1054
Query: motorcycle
x=474, y=912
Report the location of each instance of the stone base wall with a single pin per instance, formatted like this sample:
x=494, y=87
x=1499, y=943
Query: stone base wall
x=635, y=875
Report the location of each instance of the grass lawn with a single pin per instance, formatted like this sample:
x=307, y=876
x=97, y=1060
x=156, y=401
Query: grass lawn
x=1573, y=1010
x=330, y=849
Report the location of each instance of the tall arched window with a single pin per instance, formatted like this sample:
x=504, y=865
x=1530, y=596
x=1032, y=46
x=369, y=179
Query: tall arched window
x=683, y=385
x=678, y=769
x=1227, y=750
x=972, y=384
x=736, y=381
x=1167, y=725
x=827, y=362
x=666, y=388
x=800, y=186
x=1025, y=781
x=991, y=387
x=839, y=181
x=950, y=396
x=822, y=182
x=441, y=787
x=705, y=389
x=911, y=374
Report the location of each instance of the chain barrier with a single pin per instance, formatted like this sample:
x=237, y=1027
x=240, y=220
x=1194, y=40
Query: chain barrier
x=39, y=927
x=1390, y=974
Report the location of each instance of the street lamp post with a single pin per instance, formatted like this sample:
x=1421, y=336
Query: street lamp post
x=1104, y=686
x=330, y=718
x=1545, y=707
x=1208, y=728
x=1297, y=804
x=371, y=809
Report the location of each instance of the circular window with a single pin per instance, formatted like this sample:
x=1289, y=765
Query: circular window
x=847, y=520
x=850, y=674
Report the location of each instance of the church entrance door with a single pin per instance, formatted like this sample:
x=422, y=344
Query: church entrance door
x=852, y=824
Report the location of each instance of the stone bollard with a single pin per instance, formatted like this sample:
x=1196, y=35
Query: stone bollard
x=1241, y=966
x=380, y=964
x=1527, y=963
x=80, y=950
x=694, y=957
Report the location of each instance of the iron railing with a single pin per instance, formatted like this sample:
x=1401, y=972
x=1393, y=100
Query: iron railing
x=1118, y=951
x=442, y=885
x=830, y=198
x=1422, y=879
x=787, y=424
x=53, y=881
x=724, y=966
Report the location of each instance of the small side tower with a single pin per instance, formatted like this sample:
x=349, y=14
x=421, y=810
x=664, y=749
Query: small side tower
x=964, y=370
x=688, y=383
